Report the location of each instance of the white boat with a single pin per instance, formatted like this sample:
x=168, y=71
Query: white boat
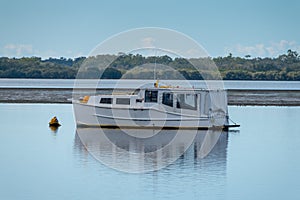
x=155, y=107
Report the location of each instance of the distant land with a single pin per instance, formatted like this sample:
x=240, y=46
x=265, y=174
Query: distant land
x=285, y=67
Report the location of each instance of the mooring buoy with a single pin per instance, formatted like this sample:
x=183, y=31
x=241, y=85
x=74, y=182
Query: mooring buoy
x=54, y=122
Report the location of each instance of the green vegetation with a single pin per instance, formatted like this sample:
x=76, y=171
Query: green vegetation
x=284, y=67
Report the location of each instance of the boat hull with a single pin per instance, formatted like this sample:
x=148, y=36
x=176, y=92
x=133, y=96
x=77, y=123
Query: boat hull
x=153, y=117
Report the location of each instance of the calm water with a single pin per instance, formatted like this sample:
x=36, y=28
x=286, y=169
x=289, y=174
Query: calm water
x=261, y=161
x=65, y=83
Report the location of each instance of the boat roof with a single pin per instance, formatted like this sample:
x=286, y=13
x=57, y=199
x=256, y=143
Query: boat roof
x=182, y=89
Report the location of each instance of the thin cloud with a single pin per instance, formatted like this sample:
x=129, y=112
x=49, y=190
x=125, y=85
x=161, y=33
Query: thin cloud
x=148, y=42
x=27, y=50
x=17, y=50
x=273, y=49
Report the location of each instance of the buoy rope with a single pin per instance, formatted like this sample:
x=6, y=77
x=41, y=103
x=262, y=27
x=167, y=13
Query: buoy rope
x=231, y=120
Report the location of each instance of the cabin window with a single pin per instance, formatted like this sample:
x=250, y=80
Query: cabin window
x=167, y=99
x=123, y=101
x=106, y=100
x=187, y=101
x=151, y=96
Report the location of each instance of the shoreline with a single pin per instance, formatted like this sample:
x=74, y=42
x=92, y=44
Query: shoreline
x=236, y=97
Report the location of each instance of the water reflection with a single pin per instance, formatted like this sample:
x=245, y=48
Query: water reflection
x=54, y=129
x=123, y=151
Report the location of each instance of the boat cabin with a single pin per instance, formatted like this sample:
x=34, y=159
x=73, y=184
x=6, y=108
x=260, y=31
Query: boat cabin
x=194, y=101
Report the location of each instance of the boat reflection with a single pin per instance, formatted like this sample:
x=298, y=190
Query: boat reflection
x=141, y=150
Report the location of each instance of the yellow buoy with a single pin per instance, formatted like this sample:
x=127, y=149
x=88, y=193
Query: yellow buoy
x=54, y=122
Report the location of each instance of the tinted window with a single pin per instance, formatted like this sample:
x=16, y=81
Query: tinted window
x=151, y=96
x=187, y=101
x=167, y=99
x=106, y=100
x=123, y=101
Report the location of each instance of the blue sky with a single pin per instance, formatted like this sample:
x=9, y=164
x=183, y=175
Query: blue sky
x=73, y=28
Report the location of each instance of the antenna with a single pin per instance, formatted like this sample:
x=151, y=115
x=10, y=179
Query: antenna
x=154, y=71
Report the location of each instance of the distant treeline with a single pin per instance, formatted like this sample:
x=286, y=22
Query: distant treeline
x=285, y=67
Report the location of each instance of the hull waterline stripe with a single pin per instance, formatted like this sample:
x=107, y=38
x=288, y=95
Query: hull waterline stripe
x=223, y=127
